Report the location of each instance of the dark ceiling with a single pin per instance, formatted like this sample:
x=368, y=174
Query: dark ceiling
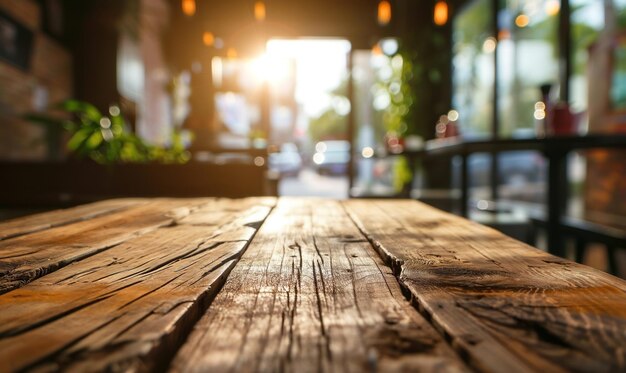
x=322, y=18
x=234, y=21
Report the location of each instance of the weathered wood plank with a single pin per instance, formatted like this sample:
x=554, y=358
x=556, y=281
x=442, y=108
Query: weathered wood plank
x=25, y=258
x=505, y=305
x=46, y=220
x=311, y=294
x=127, y=308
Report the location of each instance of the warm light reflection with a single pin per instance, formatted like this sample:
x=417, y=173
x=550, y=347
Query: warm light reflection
x=384, y=12
x=540, y=114
x=217, y=70
x=259, y=161
x=553, y=7
x=377, y=50
x=540, y=105
x=489, y=46
x=440, y=128
x=319, y=158
x=269, y=67
x=208, y=39
x=389, y=46
x=321, y=147
x=259, y=10
x=231, y=53
x=318, y=67
x=189, y=7
x=522, y=20
x=114, y=110
x=540, y=110
x=482, y=204
x=105, y=122
x=440, y=16
x=453, y=115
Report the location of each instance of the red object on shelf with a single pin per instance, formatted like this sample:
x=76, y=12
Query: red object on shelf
x=561, y=120
x=394, y=143
x=451, y=130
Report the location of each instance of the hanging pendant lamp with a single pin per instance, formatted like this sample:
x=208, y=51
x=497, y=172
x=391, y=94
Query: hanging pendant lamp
x=440, y=14
x=259, y=10
x=189, y=7
x=384, y=12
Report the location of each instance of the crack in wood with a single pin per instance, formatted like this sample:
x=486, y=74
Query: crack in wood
x=58, y=218
x=41, y=323
x=317, y=249
x=318, y=310
x=530, y=310
x=46, y=251
x=130, y=295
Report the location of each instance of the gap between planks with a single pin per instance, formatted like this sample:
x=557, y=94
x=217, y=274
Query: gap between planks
x=504, y=306
x=57, y=218
x=466, y=278
x=127, y=308
x=30, y=256
x=311, y=294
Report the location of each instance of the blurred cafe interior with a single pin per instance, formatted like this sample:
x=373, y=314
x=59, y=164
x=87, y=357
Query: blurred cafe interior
x=509, y=112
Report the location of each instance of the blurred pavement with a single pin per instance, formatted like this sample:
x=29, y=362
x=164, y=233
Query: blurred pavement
x=309, y=183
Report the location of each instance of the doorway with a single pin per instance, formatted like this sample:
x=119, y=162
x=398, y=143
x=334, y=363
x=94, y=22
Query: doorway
x=309, y=115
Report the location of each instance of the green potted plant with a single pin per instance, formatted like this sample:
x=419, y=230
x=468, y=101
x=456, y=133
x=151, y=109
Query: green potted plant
x=105, y=138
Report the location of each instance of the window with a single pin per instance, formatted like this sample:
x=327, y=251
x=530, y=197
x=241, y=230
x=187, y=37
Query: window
x=527, y=60
x=587, y=22
x=473, y=68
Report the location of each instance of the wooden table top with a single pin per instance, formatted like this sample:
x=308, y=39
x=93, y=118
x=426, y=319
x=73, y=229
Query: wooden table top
x=294, y=284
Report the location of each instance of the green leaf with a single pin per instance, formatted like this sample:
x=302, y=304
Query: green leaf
x=124, y=146
x=95, y=140
x=117, y=121
x=82, y=108
x=79, y=137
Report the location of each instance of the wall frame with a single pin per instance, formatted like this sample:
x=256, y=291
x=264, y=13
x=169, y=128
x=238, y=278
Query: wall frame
x=16, y=42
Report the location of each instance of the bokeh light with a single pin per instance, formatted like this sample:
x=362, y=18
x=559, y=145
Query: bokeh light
x=367, y=152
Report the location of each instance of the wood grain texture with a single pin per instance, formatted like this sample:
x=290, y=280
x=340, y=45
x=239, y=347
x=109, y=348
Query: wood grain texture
x=25, y=258
x=128, y=308
x=504, y=305
x=311, y=294
x=46, y=220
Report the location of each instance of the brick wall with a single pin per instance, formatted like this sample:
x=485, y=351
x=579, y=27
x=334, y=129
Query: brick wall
x=50, y=70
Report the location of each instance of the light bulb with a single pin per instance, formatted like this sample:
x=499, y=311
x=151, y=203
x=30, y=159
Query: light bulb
x=440, y=15
x=384, y=12
x=259, y=11
x=189, y=7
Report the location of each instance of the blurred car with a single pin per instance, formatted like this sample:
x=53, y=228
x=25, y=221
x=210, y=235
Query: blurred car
x=286, y=162
x=332, y=157
x=521, y=175
x=515, y=168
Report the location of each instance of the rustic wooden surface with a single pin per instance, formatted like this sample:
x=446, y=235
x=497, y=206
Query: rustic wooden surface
x=311, y=295
x=503, y=304
x=28, y=257
x=294, y=285
x=126, y=308
x=39, y=222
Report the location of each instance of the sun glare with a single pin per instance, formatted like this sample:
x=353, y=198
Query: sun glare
x=320, y=68
x=270, y=68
